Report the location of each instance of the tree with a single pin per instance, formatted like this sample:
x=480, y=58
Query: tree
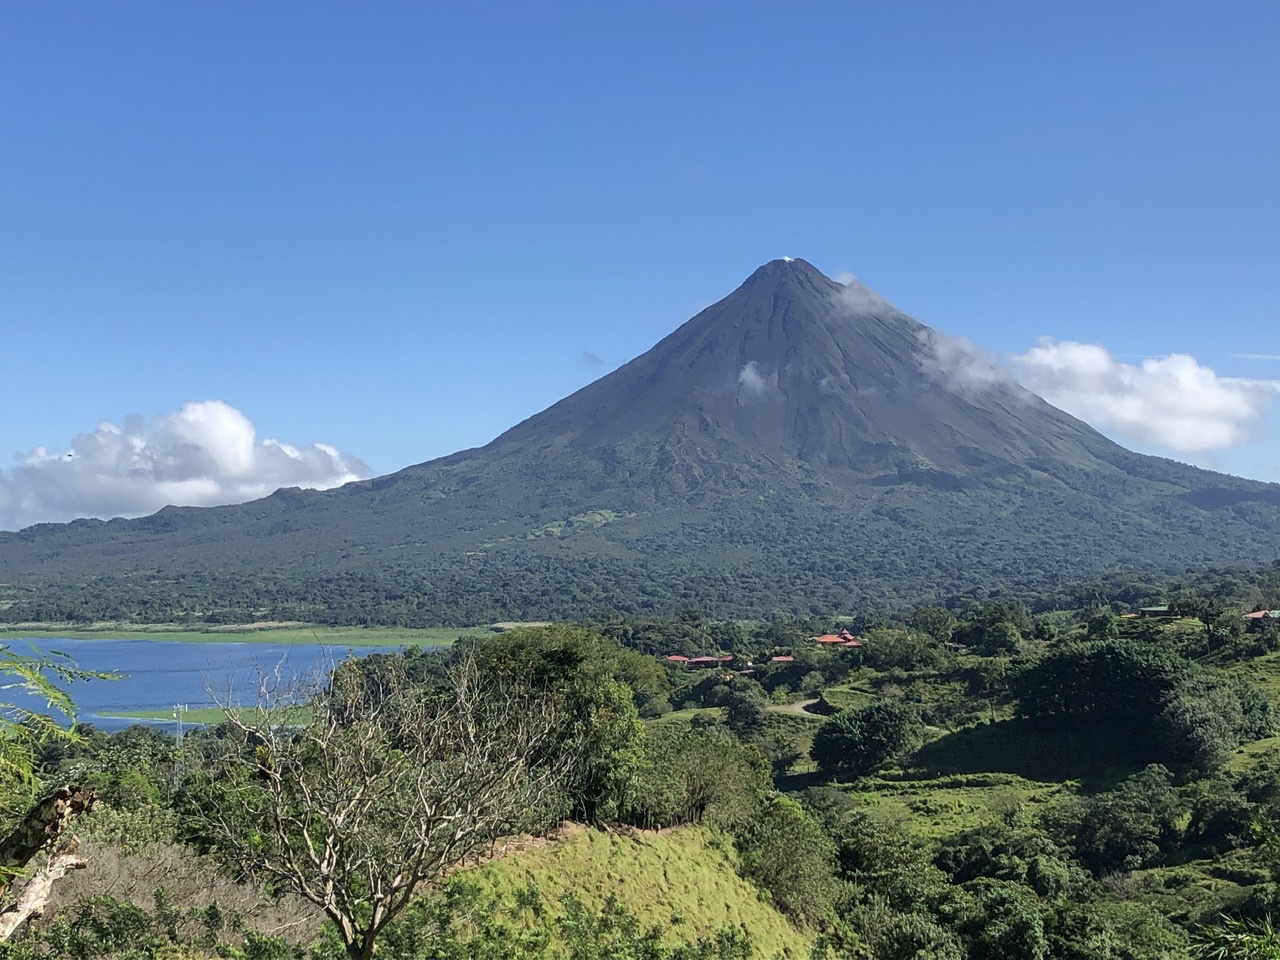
x=41, y=821
x=1183, y=713
x=786, y=852
x=1010, y=925
x=597, y=686
x=937, y=622
x=369, y=794
x=691, y=776
x=856, y=742
x=745, y=705
x=1125, y=828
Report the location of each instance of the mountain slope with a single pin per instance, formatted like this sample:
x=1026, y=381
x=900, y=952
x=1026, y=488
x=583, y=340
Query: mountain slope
x=798, y=445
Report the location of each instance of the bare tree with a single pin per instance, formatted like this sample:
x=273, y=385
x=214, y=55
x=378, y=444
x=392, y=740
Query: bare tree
x=38, y=850
x=381, y=786
x=43, y=829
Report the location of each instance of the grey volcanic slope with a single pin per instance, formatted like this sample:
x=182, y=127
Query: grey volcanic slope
x=798, y=445
x=794, y=366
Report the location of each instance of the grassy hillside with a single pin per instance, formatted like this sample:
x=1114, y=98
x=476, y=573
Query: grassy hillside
x=678, y=877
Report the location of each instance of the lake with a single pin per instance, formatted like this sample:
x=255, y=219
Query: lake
x=158, y=674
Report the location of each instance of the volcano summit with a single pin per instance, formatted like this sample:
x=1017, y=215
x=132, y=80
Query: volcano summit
x=801, y=445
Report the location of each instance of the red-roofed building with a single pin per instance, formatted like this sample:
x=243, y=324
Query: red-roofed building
x=676, y=658
x=829, y=639
x=782, y=659
x=699, y=662
x=1262, y=619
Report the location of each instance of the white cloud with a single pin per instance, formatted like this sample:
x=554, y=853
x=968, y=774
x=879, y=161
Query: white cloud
x=205, y=454
x=962, y=364
x=1170, y=401
x=858, y=295
x=752, y=384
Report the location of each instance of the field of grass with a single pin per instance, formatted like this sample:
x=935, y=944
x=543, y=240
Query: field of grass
x=299, y=634
x=197, y=715
x=851, y=695
x=1264, y=673
x=676, y=876
x=933, y=809
x=990, y=771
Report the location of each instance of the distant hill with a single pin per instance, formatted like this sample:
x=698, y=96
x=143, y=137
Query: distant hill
x=799, y=446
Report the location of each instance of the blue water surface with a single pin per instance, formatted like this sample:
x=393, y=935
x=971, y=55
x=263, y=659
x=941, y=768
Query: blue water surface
x=159, y=674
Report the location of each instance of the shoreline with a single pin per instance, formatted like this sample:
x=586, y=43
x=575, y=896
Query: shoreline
x=293, y=634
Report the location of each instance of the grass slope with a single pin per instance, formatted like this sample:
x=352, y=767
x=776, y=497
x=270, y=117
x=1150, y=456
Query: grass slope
x=674, y=876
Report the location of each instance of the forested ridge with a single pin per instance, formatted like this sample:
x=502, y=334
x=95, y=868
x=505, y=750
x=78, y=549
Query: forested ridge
x=994, y=779
x=568, y=588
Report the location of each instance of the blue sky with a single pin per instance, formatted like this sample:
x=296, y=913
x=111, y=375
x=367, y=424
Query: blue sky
x=397, y=229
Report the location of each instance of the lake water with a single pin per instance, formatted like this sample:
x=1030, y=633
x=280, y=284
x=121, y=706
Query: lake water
x=157, y=674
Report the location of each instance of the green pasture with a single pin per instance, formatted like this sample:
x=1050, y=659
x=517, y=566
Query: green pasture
x=291, y=716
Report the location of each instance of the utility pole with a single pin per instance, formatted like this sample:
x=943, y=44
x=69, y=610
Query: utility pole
x=179, y=712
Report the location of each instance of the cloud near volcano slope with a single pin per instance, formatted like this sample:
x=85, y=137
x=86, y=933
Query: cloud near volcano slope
x=1171, y=401
x=205, y=454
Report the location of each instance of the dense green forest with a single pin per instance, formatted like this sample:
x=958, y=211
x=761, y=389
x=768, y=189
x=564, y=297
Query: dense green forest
x=568, y=588
x=994, y=779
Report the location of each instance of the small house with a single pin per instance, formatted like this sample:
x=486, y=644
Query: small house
x=1262, y=620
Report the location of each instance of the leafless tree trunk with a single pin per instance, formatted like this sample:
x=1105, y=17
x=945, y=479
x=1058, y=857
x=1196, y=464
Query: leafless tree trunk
x=384, y=788
x=41, y=829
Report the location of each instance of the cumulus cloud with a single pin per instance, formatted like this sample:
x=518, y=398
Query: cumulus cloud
x=753, y=384
x=205, y=454
x=1168, y=401
x=1171, y=401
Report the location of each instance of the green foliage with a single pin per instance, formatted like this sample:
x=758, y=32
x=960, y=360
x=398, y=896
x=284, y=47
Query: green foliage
x=597, y=684
x=1187, y=715
x=691, y=776
x=787, y=853
x=1010, y=924
x=745, y=705
x=1125, y=828
x=998, y=851
x=857, y=742
x=105, y=927
x=35, y=714
x=994, y=629
x=1233, y=938
x=889, y=649
x=938, y=622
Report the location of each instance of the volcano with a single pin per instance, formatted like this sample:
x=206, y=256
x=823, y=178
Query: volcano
x=800, y=446
x=793, y=367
